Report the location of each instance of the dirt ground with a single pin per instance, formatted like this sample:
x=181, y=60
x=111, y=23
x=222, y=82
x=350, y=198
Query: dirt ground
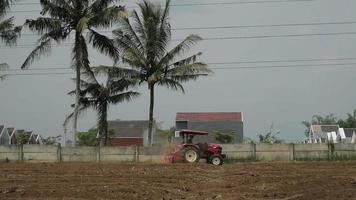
x=287, y=181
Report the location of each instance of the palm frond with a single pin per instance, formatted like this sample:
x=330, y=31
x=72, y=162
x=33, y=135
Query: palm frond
x=57, y=9
x=171, y=84
x=8, y=32
x=185, y=61
x=180, y=49
x=99, y=5
x=130, y=33
x=187, y=69
x=71, y=115
x=3, y=67
x=164, y=33
x=120, y=85
x=44, y=48
x=106, y=16
x=126, y=96
x=138, y=27
x=43, y=24
x=4, y=6
x=103, y=44
x=118, y=72
x=186, y=78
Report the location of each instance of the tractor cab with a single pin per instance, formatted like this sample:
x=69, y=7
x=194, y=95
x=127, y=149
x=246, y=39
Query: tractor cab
x=191, y=152
x=188, y=135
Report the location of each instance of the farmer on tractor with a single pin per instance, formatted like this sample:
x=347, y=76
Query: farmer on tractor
x=189, y=152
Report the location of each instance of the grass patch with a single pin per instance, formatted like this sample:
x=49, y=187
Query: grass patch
x=334, y=157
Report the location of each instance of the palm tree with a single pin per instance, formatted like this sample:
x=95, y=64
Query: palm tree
x=8, y=32
x=99, y=96
x=60, y=19
x=144, y=41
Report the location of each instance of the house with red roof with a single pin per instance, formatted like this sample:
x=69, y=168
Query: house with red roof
x=212, y=122
x=129, y=132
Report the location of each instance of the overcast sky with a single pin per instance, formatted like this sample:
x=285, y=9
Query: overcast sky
x=282, y=96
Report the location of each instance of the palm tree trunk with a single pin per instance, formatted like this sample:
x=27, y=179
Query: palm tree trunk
x=77, y=56
x=103, y=124
x=150, y=121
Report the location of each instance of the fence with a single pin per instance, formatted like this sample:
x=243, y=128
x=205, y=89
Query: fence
x=268, y=152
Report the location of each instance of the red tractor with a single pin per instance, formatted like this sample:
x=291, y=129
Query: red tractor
x=189, y=152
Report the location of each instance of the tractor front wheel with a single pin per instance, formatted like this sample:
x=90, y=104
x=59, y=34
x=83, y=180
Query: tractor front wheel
x=190, y=155
x=216, y=160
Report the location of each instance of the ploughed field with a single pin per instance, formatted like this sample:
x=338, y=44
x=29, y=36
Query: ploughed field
x=275, y=180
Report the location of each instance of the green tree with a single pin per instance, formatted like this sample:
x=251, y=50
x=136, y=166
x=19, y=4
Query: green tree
x=349, y=122
x=330, y=119
x=100, y=96
x=144, y=39
x=23, y=137
x=270, y=137
x=8, y=31
x=90, y=137
x=61, y=18
x=223, y=137
x=51, y=140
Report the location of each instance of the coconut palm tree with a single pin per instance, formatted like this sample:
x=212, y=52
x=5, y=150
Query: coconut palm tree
x=144, y=40
x=60, y=18
x=8, y=32
x=100, y=96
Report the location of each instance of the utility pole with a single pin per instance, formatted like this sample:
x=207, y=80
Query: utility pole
x=65, y=132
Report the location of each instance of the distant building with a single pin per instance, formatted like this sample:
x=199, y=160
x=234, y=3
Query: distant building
x=323, y=133
x=212, y=122
x=350, y=135
x=35, y=139
x=4, y=136
x=331, y=134
x=129, y=133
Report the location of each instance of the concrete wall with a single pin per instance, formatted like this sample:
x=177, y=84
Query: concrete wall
x=40, y=153
x=273, y=151
x=239, y=151
x=80, y=154
x=156, y=154
x=10, y=153
x=311, y=151
x=345, y=149
x=118, y=154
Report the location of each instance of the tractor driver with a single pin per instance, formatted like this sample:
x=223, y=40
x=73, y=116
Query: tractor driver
x=190, y=139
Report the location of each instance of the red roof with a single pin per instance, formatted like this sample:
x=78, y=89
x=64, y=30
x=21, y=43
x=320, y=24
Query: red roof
x=210, y=116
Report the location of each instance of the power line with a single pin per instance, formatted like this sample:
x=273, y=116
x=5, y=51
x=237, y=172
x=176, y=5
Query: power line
x=190, y=4
x=243, y=26
x=213, y=68
x=217, y=63
x=219, y=38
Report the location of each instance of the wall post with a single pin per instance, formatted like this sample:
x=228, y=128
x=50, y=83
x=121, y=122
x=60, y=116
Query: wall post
x=59, y=153
x=292, y=152
x=253, y=150
x=98, y=152
x=21, y=153
x=136, y=156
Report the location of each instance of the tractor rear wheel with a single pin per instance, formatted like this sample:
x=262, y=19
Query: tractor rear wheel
x=216, y=160
x=191, y=154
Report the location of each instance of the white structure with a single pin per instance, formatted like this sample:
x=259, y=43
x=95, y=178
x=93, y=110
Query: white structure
x=323, y=133
x=346, y=135
x=4, y=136
x=35, y=139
